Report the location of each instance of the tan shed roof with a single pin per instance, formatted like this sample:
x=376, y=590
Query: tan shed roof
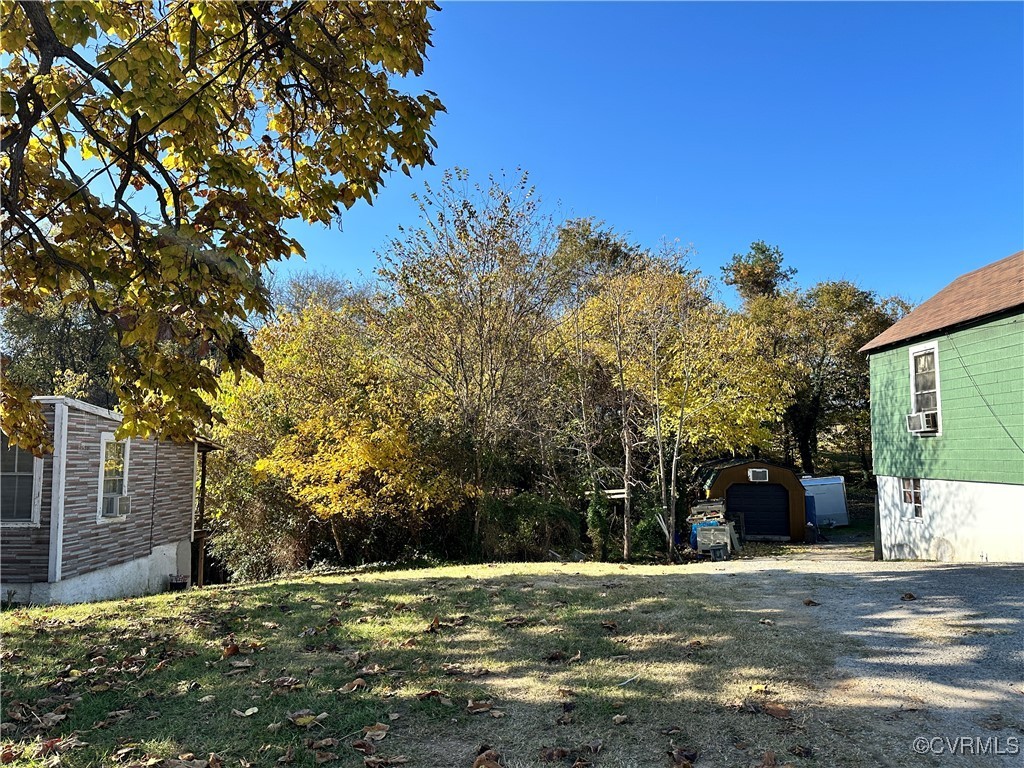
x=986, y=291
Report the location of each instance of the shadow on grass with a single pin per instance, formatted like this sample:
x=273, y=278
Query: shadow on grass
x=672, y=650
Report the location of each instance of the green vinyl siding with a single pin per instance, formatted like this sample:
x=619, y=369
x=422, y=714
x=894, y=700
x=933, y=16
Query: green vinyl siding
x=981, y=402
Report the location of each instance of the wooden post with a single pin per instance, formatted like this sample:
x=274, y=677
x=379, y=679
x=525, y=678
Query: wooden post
x=201, y=528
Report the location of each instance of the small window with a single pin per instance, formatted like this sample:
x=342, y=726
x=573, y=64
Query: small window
x=926, y=396
x=113, y=476
x=17, y=483
x=911, y=492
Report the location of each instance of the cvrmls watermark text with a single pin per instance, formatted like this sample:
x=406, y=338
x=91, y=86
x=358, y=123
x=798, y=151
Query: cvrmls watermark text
x=967, y=745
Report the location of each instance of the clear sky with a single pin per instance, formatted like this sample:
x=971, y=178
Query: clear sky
x=879, y=142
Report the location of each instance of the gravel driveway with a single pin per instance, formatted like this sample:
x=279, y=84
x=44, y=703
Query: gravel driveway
x=946, y=668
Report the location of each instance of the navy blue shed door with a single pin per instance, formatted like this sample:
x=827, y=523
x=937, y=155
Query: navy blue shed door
x=764, y=506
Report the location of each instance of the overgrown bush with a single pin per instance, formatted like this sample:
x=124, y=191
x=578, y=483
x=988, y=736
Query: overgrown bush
x=526, y=526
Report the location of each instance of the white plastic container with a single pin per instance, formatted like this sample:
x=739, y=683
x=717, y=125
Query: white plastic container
x=829, y=499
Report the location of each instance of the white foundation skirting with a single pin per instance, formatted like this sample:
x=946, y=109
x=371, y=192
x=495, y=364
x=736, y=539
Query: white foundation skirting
x=961, y=522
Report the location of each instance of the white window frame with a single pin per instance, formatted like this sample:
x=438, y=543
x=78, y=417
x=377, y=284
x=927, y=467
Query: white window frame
x=37, y=499
x=917, y=349
x=105, y=439
x=911, y=508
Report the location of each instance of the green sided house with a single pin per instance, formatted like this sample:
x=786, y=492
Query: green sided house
x=947, y=421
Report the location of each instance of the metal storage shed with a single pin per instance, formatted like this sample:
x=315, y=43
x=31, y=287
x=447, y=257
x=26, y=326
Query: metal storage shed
x=769, y=499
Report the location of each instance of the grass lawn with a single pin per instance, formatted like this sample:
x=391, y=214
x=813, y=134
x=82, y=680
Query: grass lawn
x=566, y=664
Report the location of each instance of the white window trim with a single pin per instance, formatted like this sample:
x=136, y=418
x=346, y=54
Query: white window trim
x=105, y=438
x=37, y=499
x=928, y=346
x=908, y=508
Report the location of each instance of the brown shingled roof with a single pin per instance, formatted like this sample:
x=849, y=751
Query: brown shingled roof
x=986, y=291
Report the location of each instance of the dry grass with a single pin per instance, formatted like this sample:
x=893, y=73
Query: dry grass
x=683, y=651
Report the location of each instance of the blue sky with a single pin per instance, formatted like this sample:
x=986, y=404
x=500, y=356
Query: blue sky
x=881, y=143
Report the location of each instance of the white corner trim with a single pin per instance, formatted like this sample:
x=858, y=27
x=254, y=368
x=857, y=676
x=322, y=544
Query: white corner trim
x=926, y=346
x=60, y=461
x=79, y=405
x=105, y=438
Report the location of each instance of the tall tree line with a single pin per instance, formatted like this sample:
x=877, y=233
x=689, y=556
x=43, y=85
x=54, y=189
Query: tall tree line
x=503, y=372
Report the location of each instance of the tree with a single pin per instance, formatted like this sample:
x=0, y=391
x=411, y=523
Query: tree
x=327, y=448
x=824, y=329
x=759, y=272
x=59, y=349
x=469, y=298
x=152, y=154
x=718, y=393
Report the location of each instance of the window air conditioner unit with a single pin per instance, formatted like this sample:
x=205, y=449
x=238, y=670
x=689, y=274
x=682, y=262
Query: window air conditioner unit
x=923, y=421
x=117, y=506
x=757, y=475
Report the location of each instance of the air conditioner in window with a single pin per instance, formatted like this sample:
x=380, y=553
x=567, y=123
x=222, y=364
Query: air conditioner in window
x=117, y=506
x=923, y=421
x=757, y=475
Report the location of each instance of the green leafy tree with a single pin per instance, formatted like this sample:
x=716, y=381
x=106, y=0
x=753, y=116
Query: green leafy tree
x=469, y=297
x=59, y=349
x=151, y=154
x=758, y=272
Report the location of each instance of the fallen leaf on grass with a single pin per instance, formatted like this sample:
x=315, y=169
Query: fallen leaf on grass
x=306, y=718
x=810, y=602
x=671, y=730
x=488, y=758
x=324, y=757
x=566, y=692
x=496, y=713
x=801, y=751
x=364, y=746
x=288, y=756
x=323, y=743
x=907, y=596
x=10, y=753
x=207, y=699
x=766, y=622
x=516, y=621
x=376, y=732
x=248, y=713
x=476, y=707
x=287, y=684
x=435, y=694
x=611, y=626
x=275, y=727
x=620, y=719
x=356, y=684
x=461, y=671
x=684, y=758
x=379, y=762
x=777, y=711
